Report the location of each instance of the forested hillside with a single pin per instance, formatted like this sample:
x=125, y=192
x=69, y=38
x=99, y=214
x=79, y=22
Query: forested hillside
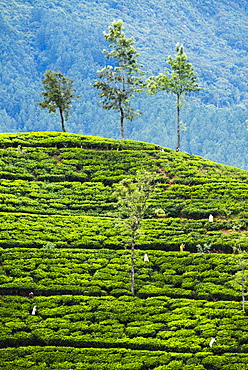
x=67, y=36
x=61, y=239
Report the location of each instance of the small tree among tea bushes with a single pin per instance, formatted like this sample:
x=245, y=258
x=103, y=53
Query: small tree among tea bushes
x=241, y=277
x=133, y=197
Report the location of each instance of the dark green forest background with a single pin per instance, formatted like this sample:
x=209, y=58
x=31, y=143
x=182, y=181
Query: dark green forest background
x=67, y=36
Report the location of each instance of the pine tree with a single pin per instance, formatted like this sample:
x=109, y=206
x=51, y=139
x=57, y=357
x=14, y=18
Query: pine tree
x=119, y=84
x=180, y=81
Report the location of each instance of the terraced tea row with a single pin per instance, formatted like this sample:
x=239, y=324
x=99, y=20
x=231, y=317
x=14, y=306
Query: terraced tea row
x=161, y=323
x=30, y=230
x=94, y=198
x=103, y=272
x=71, y=358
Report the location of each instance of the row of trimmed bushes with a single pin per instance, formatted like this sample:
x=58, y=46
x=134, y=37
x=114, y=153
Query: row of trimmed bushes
x=68, y=140
x=27, y=230
x=69, y=358
x=101, y=272
x=172, y=325
x=50, y=198
x=83, y=197
x=72, y=164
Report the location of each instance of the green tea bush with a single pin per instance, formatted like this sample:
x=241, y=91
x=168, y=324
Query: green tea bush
x=57, y=189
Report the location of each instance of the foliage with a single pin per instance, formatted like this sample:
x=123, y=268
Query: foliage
x=133, y=196
x=118, y=84
x=108, y=358
x=46, y=175
x=180, y=81
x=58, y=94
x=50, y=250
x=132, y=202
x=101, y=272
x=66, y=36
x=90, y=329
x=203, y=248
x=60, y=238
x=240, y=279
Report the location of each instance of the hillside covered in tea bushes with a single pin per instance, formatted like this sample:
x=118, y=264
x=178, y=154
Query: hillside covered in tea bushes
x=60, y=238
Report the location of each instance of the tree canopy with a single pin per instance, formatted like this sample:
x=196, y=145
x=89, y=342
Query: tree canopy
x=133, y=196
x=119, y=83
x=180, y=80
x=58, y=94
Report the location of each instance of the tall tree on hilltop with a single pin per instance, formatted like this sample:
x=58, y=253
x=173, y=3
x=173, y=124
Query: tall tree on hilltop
x=180, y=80
x=133, y=196
x=58, y=94
x=119, y=84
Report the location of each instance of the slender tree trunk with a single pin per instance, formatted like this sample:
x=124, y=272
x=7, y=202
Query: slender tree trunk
x=132, y=267
x=178, y=123
x=243, y=289
x=62, y=119
x=122, y=120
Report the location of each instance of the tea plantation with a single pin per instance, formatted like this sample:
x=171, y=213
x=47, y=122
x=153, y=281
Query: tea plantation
x=61, y=239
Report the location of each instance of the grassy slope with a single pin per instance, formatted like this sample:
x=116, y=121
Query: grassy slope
x=57, y=188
